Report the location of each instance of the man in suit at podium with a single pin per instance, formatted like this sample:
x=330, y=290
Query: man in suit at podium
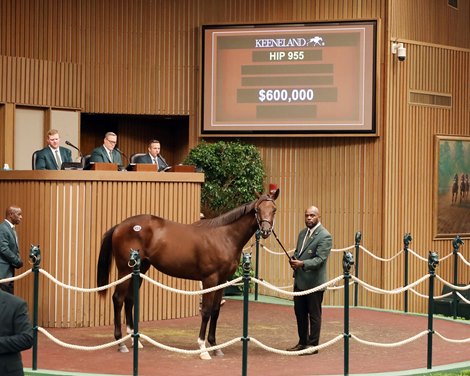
x=53, y=155
x=107, y=152
x=154, y=156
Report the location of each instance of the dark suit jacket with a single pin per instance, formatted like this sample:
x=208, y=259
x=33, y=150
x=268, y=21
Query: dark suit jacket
x=147, y=159
x=314, y=256
x=45, y=159
x=100, y=155
x=9, y=253
x=16, y=333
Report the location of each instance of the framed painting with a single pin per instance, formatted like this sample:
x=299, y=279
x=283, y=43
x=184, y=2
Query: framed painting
x=452, y=196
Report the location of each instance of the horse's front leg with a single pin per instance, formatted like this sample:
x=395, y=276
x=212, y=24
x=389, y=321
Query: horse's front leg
x=213, y=322
x=206, y=312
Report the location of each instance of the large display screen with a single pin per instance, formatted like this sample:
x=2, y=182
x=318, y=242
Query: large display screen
x=289, y=79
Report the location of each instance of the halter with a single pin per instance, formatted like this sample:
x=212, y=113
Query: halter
x=271, y=224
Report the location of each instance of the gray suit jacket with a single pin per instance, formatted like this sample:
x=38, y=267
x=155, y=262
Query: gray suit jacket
x=314, y=256
x=9, y=252
x=16, y=334
x=147, y=159
x=100, y=155
x=45, y=159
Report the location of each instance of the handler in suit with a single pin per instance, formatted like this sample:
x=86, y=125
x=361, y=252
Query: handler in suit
x=53, y=155
x=106, y=152
x=16, y=334
x=309, y=263
x=154, y=156
x=9, y=252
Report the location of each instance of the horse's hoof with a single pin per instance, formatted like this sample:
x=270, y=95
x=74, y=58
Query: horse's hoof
x=139, y=345
x=205, y=356
x=123, y=348
x=218, y=352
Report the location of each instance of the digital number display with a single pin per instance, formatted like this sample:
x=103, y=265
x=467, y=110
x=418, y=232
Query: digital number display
x=289, y=79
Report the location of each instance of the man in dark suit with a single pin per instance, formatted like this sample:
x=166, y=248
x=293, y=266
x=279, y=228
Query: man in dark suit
x=53, y=155
x=154, y=156
x=16, y=334
x=9, y=252
x=106, y=152
x=309, y=263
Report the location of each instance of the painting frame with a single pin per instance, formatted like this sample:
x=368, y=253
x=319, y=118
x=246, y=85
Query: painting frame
x=451, y=210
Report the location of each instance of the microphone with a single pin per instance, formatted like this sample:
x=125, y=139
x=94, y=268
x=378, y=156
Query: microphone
x=72, y=145
x=120, y=152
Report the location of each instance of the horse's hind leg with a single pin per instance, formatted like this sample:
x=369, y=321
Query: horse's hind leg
x=118, y=300
x=129, y=302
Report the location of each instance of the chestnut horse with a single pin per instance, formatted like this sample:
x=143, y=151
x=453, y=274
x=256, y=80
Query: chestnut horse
x=208, y=250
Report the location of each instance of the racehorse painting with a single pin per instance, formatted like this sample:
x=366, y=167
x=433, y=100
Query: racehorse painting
x=208, y=250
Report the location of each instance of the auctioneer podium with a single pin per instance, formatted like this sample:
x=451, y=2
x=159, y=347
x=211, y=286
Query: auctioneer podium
x=67, y=212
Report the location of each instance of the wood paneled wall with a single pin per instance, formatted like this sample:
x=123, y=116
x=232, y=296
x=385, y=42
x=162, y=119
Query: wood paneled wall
x=142, y=57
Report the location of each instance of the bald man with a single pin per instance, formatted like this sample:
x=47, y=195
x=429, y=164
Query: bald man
x=309, y=263
x=9, y=251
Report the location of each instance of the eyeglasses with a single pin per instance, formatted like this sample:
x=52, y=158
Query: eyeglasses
x=111, y=142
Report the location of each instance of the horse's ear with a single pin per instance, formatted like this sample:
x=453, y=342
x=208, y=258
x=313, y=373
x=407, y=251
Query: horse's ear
x=274, y=194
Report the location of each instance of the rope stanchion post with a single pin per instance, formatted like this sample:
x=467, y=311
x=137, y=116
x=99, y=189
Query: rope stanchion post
x=134, y=261
x=406, y=243
x=257, y=238
x=348, y=261
x=35, y=259
x=456, y=243
x=433, y=261
x=246, y=287
x=358, y=239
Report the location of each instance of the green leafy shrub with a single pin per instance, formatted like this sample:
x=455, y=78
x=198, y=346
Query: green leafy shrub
x=233, y=172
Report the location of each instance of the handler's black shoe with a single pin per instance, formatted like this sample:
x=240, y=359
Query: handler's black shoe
x=297, y=347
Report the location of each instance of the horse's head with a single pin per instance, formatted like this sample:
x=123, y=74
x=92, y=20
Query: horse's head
x=265, y=210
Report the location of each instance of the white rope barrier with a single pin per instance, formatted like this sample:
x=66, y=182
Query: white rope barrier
x=19, y=276
x=82, y=348
x=188, y=352
x=298, y=293
x=196, y=292
x=463, y=298
x=394, y=291
x=463, y=259
x=465, y=340
x=81, y=289
x=455, y=287
x=394, y=344
x=342, y=249
x=309, y=350
x=380, y=258
x=417, y=256
x=276, y=253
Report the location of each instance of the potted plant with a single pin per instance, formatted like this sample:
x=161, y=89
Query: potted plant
x=233, y=173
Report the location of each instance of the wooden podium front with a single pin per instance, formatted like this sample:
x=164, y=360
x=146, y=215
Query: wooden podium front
x=103, y=166
x=148, y=167
x=184, y=168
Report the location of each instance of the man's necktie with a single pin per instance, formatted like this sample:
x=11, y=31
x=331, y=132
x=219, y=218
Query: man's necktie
x=16, y=236
x=57, y=159
x=307, y=236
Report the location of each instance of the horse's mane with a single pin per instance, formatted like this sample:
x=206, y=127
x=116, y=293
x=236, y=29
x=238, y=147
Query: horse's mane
x=227, y=218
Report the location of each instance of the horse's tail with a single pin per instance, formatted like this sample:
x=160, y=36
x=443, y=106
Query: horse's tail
x=105, y=258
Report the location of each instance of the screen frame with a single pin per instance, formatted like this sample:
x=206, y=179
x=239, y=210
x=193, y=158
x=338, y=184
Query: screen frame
x=371, y=130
